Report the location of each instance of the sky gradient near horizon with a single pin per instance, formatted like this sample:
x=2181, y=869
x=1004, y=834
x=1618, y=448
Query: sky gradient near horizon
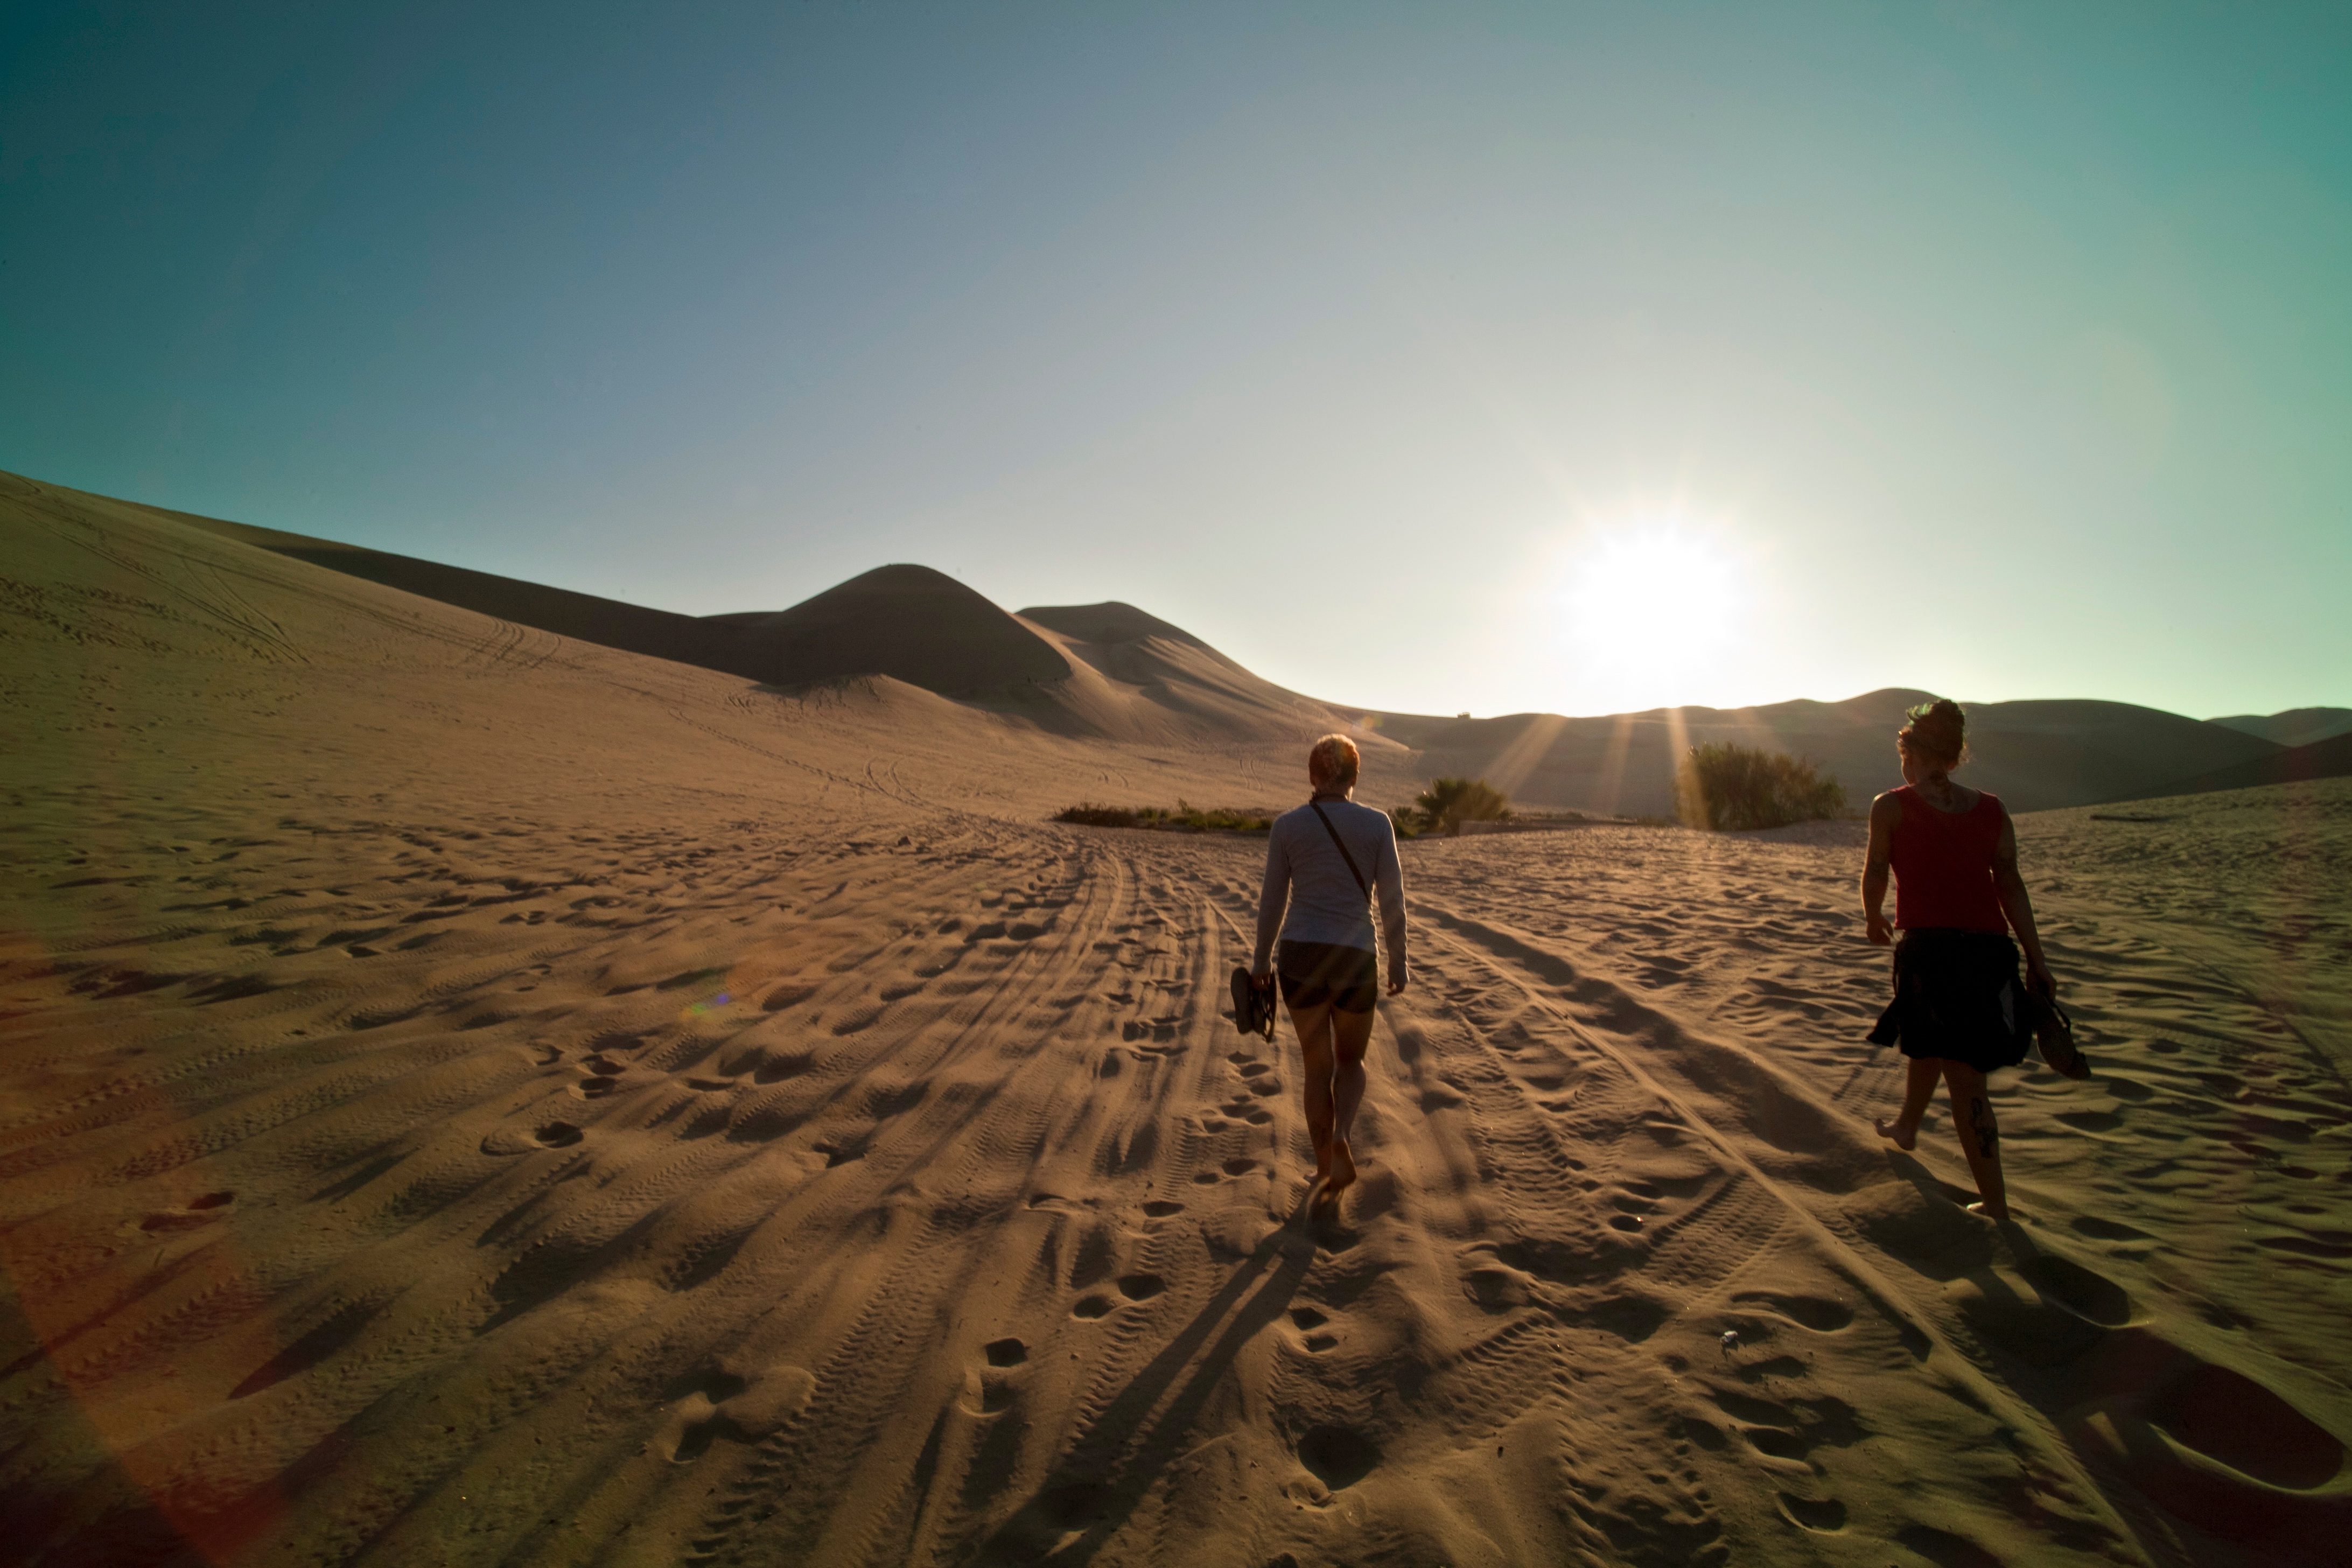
x=1420, y=358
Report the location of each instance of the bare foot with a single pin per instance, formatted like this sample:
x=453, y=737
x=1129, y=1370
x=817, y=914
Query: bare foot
x=1997, y=1216
x=1323, y=1163
x=1895, y=1135
x=1343, y=1167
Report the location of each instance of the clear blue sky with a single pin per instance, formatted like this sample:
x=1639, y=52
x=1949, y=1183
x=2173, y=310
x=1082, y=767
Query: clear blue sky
x=2001, y=350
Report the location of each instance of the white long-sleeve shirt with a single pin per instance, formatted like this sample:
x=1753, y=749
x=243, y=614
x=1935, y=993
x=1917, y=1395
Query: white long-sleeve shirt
x=1309, y=894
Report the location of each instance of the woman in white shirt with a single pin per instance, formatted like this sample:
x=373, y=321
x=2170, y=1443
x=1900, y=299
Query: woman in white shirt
x=1323, y=862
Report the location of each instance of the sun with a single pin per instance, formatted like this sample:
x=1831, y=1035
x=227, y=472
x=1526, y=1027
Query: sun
x=1634, y=589
x=1649, y=611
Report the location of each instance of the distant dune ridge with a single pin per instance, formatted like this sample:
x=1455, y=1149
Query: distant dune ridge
x=2035, y=755
x=473, y=1096
x=2294, y=727
x=1114, y=671
x=2331, y=758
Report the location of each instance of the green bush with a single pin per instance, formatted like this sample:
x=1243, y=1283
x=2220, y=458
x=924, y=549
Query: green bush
x=1728, y=789
x=1185, y=818
x=1448, y=804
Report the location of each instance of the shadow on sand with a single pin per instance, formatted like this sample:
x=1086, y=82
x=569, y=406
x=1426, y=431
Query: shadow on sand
x=1096, y=1488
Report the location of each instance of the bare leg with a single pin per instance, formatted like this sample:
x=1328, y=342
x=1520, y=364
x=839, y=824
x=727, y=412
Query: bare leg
x=1314, y=1026
x=1919, y=1089
x=1979, y=1137
x=1352, y=1033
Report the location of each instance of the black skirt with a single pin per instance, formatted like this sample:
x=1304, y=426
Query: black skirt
x=1957, y=997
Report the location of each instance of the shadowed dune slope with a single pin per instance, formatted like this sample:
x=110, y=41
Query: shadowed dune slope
x=2293, y=726
x=2331, y=758
x=919, y=625
x=2035, y=755
x=472, y=1097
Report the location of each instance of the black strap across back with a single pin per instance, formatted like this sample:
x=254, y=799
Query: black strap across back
x=1362, y=886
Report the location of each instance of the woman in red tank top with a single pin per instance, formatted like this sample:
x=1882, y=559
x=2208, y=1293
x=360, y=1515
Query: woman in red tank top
x=1957, y=1012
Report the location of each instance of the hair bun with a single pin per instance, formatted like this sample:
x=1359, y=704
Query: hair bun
x=1937, y=730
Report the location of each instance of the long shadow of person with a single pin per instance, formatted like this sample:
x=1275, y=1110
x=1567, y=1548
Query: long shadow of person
x=1095, y=1488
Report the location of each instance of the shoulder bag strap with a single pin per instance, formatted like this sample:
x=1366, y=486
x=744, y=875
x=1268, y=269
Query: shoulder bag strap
x=1362, y=886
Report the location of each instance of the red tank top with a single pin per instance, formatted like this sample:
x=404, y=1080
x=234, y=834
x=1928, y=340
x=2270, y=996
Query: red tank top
x=1943, y=865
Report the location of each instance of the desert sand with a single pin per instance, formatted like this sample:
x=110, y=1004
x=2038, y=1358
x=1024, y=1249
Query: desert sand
x=472, y=1096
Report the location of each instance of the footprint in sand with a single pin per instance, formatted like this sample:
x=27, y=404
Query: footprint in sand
x=201, y=1210
x=1813, y=1312
x=1160, y=1208
x=1793, y=1429
x=1338, y=1456
x=776, y=1068
x=1141, y=1287
x=1094, y=1306
x=1823, y=1516
x=2107, y=1229
x=558, y=1134
x=725, y=1404
x=2088, y=1295
x=992, y=1387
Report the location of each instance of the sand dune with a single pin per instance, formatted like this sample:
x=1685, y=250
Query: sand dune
x=1106, y=671
x=2327, y=759
x=910, y=623
x=1170, y=672
x=1113, y=671
x=2296, y=726
x=470, y=1095
x=2035, y=755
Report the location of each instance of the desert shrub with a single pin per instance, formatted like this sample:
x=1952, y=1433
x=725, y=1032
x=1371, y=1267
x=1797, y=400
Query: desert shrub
x=1217, y=819
x=1185, y=818
x=1448, y=804
x=1727, y=788
x=1099, y=816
